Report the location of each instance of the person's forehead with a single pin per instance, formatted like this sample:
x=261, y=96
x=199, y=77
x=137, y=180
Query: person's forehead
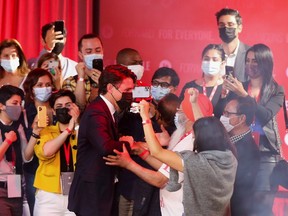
x=9, y=50
x=91, y=42
x=127, y=83
x=163, y=79
x=231, y=106
x=227, y=18
x=63, y=99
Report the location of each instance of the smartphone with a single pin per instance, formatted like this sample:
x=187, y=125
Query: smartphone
x=42, y=116
x=141, y=92
x=229, y=70
x=59, y=26
x=97, y=64
x=52, y=65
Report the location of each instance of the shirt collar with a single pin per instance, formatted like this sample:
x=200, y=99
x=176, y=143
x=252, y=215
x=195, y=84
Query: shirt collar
x=238, y=137
x=109, y=104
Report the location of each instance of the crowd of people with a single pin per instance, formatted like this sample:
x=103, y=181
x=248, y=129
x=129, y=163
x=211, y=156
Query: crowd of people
x=107, y=148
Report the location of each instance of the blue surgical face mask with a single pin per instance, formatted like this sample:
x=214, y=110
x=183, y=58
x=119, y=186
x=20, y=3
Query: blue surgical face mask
x=158, y=92
x=210, y=67
x=42, y=94
x=88, y=59
x=10, y=65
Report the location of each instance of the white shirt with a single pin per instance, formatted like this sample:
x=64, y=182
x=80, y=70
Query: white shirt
x=110, y=106
x=230, y=59
x=171, y=202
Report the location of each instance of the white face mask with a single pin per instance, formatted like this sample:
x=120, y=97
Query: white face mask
x=226, y=122
x=10, y=65
x=158, y=92
x=211, y=67
x=88, y=59
x=180, y=119
x=42, y=94
x=138, y=70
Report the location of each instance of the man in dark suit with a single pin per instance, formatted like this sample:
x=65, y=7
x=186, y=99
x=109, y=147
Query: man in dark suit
x=92, y=189
x=230, y=26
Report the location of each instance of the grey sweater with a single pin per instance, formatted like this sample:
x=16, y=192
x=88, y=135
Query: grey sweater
x=208, y=182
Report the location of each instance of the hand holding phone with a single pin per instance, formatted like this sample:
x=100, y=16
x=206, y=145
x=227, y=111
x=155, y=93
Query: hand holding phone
x=52, y=65
x=42, y=116
x=59, y=26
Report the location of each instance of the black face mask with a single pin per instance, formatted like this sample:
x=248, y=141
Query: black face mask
x=125, y=101
x=227, y=34
x=58, y=48
x=62, y=115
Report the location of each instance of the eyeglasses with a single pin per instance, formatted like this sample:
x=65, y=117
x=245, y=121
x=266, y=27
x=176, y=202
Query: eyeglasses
x=162, y=84
x=227, y=113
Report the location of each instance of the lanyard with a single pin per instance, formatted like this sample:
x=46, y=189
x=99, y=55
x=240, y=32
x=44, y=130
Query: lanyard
x=255, y=133
x=67, y=150
x=205, y=91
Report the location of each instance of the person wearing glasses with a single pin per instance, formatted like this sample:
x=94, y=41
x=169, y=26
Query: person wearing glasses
x=165, y=80
x=237, y=117
x=229, y=23
x=210, y=83
x=269, y=96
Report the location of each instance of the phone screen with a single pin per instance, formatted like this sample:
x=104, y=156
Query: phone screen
x=229, y=70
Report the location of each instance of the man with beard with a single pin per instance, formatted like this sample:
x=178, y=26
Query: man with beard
x=229, y=23
x=92, y=189
x=54, y=41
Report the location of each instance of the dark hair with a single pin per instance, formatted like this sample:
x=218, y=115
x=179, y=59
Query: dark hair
x=47, y=27
x=229, y=11
x=23, y=66
x=47, y=56
x=165, y=71
x=210, y=134
x=7, y=91
x=114, y=74
x=264, y=59
x=61, y=93
x=87, y=36
x=121, y=57
x=31, y=80
x=167, y=107
x=215, y=47
x=246, y=106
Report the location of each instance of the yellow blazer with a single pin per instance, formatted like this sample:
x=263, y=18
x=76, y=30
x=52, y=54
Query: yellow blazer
x=48, y=172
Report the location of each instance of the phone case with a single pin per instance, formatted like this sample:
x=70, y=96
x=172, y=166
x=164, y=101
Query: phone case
x=42, y=116
x=97, y=64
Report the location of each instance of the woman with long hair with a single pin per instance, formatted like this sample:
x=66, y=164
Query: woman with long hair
x=269, y=97
x=13, y=65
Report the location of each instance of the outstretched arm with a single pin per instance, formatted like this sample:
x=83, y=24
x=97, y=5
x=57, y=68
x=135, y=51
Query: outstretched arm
x=168, y=157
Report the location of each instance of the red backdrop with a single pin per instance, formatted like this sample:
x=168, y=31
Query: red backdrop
x=174, y=33
x=23, y=19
